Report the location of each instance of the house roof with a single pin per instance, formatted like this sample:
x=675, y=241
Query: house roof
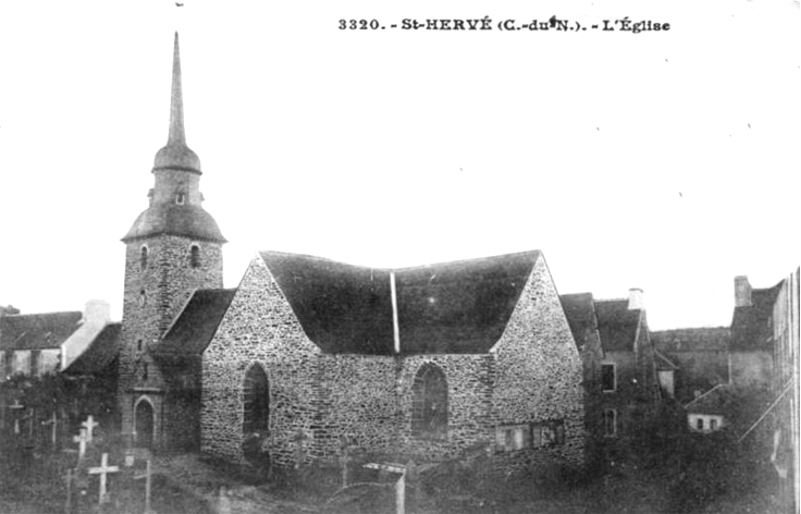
x=663, y=362
x=101, y=352
x=454, y=307
x=692, y=339
x=37, y=331
x=617, y=324
x=580, y=312
x=719, y=400
x=197, y=323
x=750, y=325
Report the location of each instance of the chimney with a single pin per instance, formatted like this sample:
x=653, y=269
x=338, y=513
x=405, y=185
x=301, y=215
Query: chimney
x=742, y=291
x=636, y=300
x=97, y=311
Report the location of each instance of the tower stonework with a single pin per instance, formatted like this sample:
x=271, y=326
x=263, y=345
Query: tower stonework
x=173, y=248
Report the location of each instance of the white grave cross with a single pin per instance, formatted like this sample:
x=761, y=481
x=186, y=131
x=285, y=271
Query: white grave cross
x=81, y=440
x=17, y=406
x=90, y=424
x=103, y=470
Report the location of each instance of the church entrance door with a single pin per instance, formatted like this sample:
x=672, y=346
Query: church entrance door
x=144, y=424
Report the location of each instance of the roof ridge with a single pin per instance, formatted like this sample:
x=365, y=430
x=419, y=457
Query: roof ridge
x=32, y=314
x=401, y=269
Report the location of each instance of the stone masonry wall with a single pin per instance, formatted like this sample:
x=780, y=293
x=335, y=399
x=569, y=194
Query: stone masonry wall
x=259, y=327
x=167, y=281
x=469, y=401
x=358, y=401
x=539, y=376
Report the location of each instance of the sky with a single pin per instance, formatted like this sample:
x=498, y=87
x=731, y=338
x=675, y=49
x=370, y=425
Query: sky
x=663, y=160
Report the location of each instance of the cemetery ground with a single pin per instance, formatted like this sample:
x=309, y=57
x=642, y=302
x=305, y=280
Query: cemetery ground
x=189, y=483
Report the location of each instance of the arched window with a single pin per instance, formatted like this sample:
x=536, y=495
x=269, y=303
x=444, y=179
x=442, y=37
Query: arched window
x=142, y=298
x=256, y=393
x=143, y=258
x=430, y=403
x=194, y=256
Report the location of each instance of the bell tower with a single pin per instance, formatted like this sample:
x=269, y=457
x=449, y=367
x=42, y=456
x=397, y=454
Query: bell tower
x=173, y=248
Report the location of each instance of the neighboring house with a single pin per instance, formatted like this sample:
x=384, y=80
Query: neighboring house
x=620, y=370
x=785, y=389
x=34, y=345
x=711, y=410
x=581, y=316
x=751, y=348
x=420, y=363
x=695, y=359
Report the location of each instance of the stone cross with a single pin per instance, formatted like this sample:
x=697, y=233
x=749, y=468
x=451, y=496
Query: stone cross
x=89, y=425
x=299, y=437
x=81, y=440
x=103, y=470
x=17, y=407
x=146, y=476
x=54, y=429
x=400, y=485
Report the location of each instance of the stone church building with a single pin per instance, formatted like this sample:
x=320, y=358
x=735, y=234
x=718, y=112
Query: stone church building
x=307, y=353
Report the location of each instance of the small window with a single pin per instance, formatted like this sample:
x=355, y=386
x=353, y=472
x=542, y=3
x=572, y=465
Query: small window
x=713, y=424
x=549, y=433
x=180, y=198
x=139, y=346
x=512, y=438
x=145, y=372
x=699, y=423
x=143, y=258
x=142, y=298
x=194, y=256
x=608, y=379
x=610, y=423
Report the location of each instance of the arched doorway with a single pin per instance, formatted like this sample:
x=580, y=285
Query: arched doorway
x=143, y=417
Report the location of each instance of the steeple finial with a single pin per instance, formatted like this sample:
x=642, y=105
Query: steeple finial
x=177, y=134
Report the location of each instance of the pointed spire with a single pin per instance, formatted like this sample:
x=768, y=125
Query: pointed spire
x=177, y=134
x=176, y=155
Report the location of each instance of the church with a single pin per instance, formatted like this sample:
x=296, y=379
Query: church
x=308, y=353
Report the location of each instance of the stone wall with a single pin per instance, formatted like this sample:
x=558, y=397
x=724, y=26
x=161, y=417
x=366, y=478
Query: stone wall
x=152, y=297
x=358, y=401
x=259, y=327
x=539, y=376
x=469, y=399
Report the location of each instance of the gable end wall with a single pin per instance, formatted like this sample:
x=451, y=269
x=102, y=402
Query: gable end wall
x=539, y=375
x=259, y=327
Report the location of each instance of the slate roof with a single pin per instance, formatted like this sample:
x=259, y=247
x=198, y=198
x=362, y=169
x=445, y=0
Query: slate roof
x=617, y=324
x=37, y=331
x=101, y=352
x=718, y=400
x=460, y=307
x=692, y=339
x=580, y=312
x=750, y=328
x=197, y=323
x=178, y=220
x=454, y=307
